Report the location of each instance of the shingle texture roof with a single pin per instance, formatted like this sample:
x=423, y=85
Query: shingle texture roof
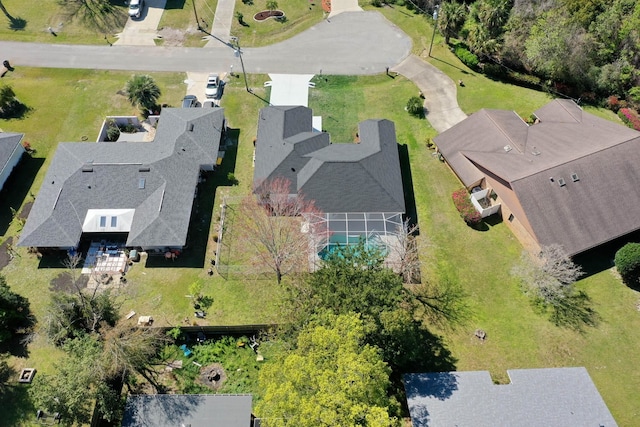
x=599, y=206
x=362, y=177
x=556, y=397
x=8, y=143
x=175, y=410
x=107, y=175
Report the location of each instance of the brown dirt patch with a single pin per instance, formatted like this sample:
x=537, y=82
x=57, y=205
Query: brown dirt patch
x=64, y=282
x=212, y=376
x=174, y=37
x=5, y=258
x=266, y=14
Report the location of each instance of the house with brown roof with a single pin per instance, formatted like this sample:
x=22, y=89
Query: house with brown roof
x=571, y=178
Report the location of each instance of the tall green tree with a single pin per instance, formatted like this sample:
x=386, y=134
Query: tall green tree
x=14, y=311
x=142, y=91
x=70, y=392
x=451, y=18
x=332, y=378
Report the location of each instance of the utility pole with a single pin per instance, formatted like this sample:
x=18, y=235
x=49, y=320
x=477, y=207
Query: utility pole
x=244, y=73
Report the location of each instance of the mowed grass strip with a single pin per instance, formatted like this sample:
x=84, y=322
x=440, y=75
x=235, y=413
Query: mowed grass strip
x=300, y=15
x=30, y=21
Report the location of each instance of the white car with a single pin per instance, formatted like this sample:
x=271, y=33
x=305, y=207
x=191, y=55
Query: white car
x=135, y=8
x=213, y=86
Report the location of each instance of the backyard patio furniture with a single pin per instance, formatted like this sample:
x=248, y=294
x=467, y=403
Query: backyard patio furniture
x=185, y=350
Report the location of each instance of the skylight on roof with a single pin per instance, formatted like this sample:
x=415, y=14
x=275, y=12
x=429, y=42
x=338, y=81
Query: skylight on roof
x=561, y=182
x=141, y=183
x=575, y=177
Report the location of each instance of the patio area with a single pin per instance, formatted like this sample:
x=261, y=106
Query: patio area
x=105, y=258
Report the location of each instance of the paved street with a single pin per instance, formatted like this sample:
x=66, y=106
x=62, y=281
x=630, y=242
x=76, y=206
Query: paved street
x=350, y=43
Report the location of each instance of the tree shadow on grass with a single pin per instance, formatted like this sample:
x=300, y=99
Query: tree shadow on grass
x=575, y=312
x=16, y=405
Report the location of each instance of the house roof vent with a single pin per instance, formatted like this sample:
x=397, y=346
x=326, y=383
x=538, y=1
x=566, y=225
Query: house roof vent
x=144, y=169
x=535, y=151
x=507, y=148
x=575, y=177
x=88, y=167
x=190, y=127
x=561, y=182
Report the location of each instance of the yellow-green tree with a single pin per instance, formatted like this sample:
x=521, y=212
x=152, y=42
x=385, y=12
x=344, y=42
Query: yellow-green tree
x=331, y=379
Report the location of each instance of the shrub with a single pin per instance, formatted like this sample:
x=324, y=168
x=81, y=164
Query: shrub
x=113, y=132
x=613, y=103
x=232, y=178
x=627, y=261
x=467, y=58
x=415, y=106
x=240, y=18
x=630, y=118
x=467, y=211
x=494, y=71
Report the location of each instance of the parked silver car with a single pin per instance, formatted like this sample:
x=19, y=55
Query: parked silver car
x=135, y=8
x=213, y=86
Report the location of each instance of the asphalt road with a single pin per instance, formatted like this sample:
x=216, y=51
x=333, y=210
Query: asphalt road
x=350, y=43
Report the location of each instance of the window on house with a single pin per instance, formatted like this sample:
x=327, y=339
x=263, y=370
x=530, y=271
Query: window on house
x=114, y=221
x=103, y=221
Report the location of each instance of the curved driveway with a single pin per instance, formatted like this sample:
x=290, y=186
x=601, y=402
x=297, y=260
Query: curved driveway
x=349, y=43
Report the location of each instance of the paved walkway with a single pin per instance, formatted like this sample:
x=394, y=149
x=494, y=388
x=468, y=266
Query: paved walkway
x=222, y=21
x=142, y=31
x=339, y=6
x=440, y=92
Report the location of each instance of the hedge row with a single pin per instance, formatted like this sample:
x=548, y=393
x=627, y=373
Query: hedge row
x=630, y=118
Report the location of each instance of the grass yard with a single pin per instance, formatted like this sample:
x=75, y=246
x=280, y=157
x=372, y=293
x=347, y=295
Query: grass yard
x=300, y=15
x=29, y=21
x=481, y=261
x=179, y=15
x=67, y=105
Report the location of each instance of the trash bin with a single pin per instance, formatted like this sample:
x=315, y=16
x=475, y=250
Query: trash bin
x=134, y=255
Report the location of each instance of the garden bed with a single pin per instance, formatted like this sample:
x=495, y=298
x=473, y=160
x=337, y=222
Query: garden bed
x=266, y=14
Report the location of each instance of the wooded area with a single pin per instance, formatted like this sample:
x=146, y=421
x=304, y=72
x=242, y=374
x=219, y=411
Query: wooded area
x=588, y=49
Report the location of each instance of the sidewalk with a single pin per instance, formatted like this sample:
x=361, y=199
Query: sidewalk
x=221, y=27
x=440, y=92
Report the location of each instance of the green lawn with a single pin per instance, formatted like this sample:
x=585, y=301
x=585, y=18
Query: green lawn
x=300, y=15
x=30, y=21
x=66, y=105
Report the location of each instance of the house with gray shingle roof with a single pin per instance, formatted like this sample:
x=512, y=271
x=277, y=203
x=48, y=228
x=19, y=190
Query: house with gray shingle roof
x=11, y=152
x=142, y=191
x=555, y=397
x=571, y=178
x=195, y=410
x=358, y=187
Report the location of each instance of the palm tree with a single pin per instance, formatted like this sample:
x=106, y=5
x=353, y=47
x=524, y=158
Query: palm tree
x=142, y=91
x=452, y=17
x=272, y=5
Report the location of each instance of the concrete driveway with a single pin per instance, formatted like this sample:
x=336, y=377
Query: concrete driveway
x=197, y=83
x=142, y=31
x=440, y=92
